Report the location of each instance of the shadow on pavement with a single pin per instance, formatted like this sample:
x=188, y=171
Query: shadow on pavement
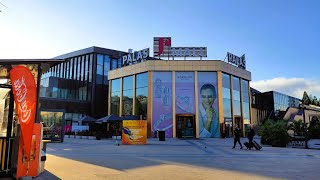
x=46, y=175
x=216, y=154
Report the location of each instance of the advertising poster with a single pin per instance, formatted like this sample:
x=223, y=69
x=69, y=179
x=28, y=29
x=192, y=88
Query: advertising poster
x=134, y=132
x=162, y=103
x=208, y=105
x=185, y=100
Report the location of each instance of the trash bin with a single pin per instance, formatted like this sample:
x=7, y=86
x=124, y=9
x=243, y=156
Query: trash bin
x=161, y=135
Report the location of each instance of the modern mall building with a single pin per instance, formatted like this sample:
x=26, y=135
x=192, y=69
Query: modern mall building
x=184, y=98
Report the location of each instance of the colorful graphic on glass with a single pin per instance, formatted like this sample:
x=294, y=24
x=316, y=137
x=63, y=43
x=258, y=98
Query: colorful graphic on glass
x=208, y=104
x=162, y=103
x=185, y=93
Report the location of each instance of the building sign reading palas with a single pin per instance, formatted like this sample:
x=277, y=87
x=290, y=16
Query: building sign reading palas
x=24, y=91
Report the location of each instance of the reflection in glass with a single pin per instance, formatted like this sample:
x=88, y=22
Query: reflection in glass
x=236, y=108
x=115, y=97
x=141, y=102
x=236, y=83
x=52, y=125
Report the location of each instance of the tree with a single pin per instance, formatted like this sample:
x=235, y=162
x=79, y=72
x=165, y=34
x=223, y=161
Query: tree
x=306, y=99
x=296, y=127
x=314, y=128
x=315, y=101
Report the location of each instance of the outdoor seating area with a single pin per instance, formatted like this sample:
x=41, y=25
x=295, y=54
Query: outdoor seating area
x=106, y=127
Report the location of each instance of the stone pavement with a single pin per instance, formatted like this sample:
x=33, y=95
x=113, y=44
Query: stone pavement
x=176, y=159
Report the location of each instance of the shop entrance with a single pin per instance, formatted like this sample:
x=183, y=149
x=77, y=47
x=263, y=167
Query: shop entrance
x=6, y=126
x=185, y=126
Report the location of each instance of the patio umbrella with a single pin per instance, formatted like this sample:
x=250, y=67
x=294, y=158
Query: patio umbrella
x=110, y=118
x=87, y=119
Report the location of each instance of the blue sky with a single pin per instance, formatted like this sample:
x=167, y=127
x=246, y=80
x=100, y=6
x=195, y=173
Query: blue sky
x=280, y=38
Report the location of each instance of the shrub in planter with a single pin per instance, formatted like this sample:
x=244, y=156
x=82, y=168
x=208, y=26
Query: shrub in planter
x=274, y=133
x=266, y=131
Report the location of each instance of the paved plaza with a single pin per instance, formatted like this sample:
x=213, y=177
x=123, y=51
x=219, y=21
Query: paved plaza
x=176, y=159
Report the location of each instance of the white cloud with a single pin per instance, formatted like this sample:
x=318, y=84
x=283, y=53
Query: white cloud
x=290, y=86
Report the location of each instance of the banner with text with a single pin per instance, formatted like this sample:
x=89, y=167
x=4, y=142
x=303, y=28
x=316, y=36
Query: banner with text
x=25, y=96
x=134, y=132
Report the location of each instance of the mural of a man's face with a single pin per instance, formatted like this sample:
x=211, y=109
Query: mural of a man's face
x=207, y=97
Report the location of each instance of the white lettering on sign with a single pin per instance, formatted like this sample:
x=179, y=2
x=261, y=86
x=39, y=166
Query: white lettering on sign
x=188, y=52
x=136, y=57
x=239, y=61
x=21, y=93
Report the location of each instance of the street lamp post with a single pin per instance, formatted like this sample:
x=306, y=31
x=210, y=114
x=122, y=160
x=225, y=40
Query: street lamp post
x=304, y=127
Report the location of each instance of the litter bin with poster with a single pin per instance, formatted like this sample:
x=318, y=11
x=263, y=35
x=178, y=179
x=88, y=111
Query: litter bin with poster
x=161, y=135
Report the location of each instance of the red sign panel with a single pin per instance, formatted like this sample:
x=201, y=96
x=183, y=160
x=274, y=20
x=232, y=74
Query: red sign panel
x=25, y=96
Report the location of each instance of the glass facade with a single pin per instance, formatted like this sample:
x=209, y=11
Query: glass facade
x=235, y=98
x=141, y=102
x=68, y=80
x=282, y=102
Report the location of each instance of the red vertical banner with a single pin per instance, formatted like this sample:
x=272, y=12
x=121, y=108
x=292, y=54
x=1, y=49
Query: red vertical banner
x=25, y=97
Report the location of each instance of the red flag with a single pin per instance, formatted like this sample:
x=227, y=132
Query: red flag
x=25, y=96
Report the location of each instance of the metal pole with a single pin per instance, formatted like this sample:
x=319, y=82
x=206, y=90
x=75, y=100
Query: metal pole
x=305, y=128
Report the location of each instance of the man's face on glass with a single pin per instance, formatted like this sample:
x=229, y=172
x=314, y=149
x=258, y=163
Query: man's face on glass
x=207, y=97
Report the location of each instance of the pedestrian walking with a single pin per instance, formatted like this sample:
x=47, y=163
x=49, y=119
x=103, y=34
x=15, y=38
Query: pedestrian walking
x=250, y=134
x=236, y=133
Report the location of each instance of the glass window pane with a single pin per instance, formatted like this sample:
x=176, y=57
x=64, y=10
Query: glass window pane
x=114, y=63
x=226, y=93
x=127, y=102
x=227, y=108
x=226, y=80
x=115, y=85
x=236, y=95
x=100, y=64
x=236, y=83
x=245, y=85
x=127, y=83
x=142, y=80
x=236, y=108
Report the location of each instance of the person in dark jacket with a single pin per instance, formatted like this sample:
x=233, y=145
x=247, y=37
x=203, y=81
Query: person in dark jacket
x=236, y=133
x=250, y=135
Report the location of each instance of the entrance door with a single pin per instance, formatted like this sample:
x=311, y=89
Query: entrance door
x=185, y=126
x=6, y=133
x=238, y=123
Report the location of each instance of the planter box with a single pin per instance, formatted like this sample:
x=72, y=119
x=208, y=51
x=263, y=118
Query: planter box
x=314, y=144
